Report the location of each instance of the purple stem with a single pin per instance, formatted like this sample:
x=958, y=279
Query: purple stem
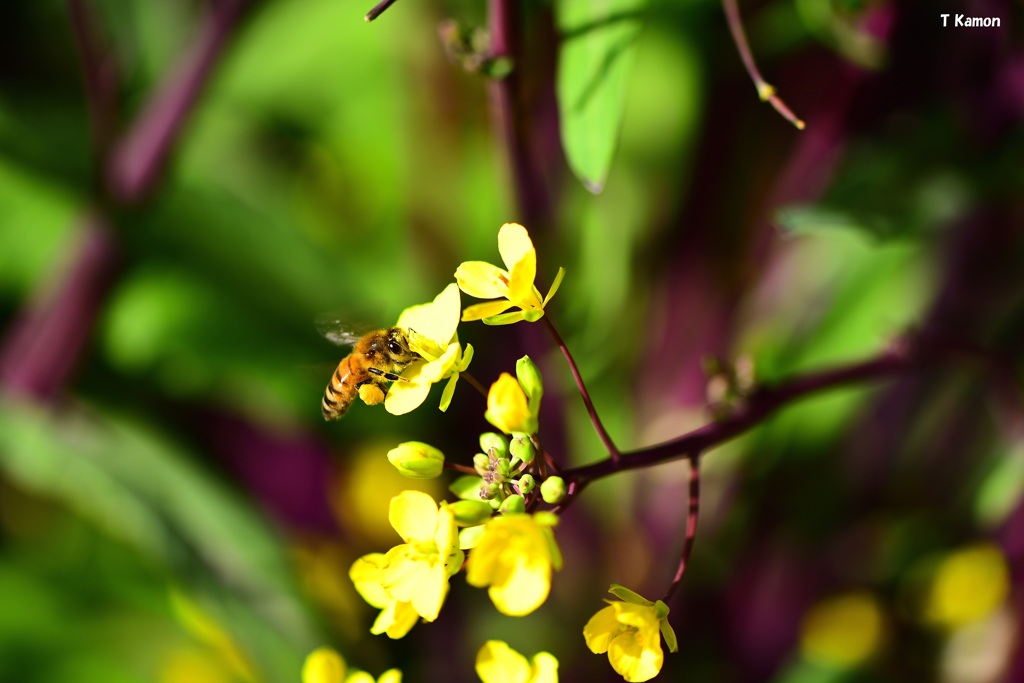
x=595, y=419
x=692, y=514
x=138, y=156
x=42, y=347
x=760, y=405
x=530, y=196
x=99, y=75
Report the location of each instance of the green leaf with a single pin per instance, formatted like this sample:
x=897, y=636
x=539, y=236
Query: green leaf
x=144, y=491
x=598, y=44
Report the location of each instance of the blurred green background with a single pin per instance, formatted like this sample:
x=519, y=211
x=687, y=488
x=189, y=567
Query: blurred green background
x=173, y=508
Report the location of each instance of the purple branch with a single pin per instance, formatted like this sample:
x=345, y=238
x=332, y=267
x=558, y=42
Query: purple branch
x=595, y=419
x=42, y=347
x=99, y=75
x=378, y=9
x=758, y=406
x=138, y=156
x=530, y=196
x=692, y=515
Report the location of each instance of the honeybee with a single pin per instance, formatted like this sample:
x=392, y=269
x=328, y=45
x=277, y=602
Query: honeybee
x=377, y=357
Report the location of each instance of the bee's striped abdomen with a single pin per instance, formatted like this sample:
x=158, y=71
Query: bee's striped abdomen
x=340, y=392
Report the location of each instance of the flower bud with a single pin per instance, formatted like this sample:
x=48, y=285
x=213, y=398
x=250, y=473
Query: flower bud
x=512, y=505
x=482, y=464
x=530, y=379
x=503, y=468
x=493, y=440
x=552, y=490
x=522, y=448
x=417, y=460
x=507, y=407
x=470, y=512
x=526, y=483
x=490, y=492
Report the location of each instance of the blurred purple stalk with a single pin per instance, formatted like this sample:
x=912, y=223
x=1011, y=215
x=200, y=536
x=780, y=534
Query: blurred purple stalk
x=138, y=156
x=45, y=343
x=42, y=347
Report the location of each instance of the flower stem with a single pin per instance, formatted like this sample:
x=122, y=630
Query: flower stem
x=692, y=513
x=764, y=90
x=474, y=383
x=602, y=433
x=465, y=469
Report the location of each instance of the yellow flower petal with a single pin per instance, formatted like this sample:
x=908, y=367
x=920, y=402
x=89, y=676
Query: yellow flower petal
x=429, y=591
x=396, y=620
x=323, y=665
x=514, y=244
x=485, y=310
x=496, y=662
x=600, y=630
x=544, y=669
x=508, y=408
x=446, y=537
x=405, y=397
x=359, y=677
x=390, y=676
x=633, y=658
x=482, y=280
x=438, y=320
x=413, y=514
x=513, y=558
x=365, y=576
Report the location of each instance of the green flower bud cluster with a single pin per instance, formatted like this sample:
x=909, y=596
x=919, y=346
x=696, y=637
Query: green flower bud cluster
x=499, y=467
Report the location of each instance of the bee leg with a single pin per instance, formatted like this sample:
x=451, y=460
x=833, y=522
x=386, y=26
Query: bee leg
x=390, y=376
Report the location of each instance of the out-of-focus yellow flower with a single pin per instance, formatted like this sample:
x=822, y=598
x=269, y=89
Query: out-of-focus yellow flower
x=411, y=579
x=843, y=631
x=969, y=585
x=630, y=632
x=507, y=407
x=511, y=287
x=513, y=557
x=496, y=662
x=324, y=665
x=431, y=331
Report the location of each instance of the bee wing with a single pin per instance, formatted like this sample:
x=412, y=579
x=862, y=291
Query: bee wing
x=339, y=331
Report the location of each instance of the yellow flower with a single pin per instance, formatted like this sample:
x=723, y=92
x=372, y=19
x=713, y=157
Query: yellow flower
x=507, y=407
x=395, y=618
x=843, y=631
x=969, y=584
x=496, y=662
x=431, y=331
x=630, y=632
x=411, y=579
x=513, y=557
x=513, y=287
x=324, y=665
